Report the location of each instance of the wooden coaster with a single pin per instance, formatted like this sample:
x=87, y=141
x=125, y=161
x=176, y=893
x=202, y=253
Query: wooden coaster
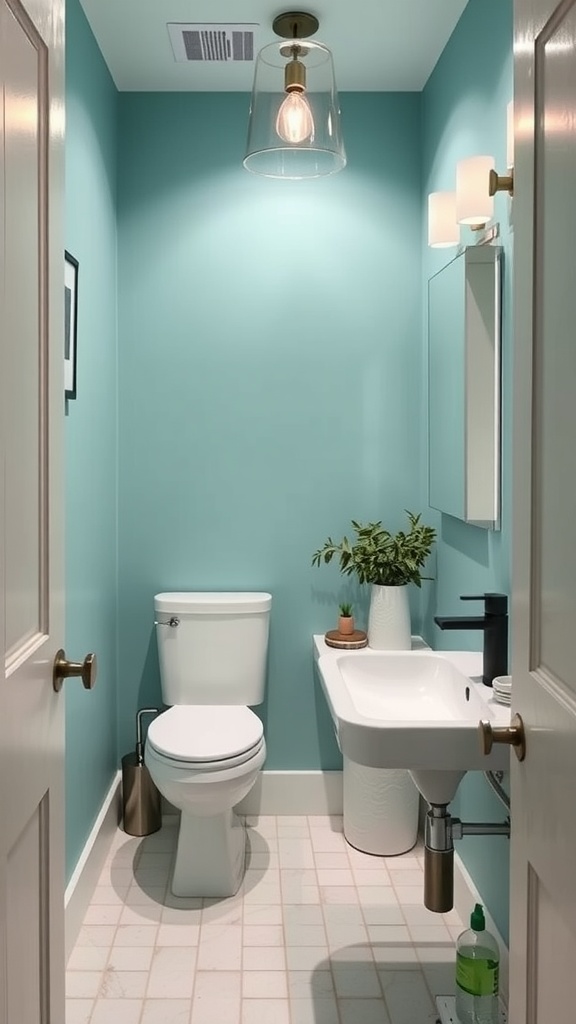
x=351, y=642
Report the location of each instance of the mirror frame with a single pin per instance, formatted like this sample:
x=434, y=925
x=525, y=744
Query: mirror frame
x=479, y=334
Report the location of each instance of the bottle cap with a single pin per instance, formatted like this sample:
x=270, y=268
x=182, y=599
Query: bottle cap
x=477, y=922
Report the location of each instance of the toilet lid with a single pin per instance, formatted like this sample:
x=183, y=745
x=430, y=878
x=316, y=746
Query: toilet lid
x=205, y=732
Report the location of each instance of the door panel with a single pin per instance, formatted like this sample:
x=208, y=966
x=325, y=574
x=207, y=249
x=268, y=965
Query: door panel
x=31, y=552
x=27, y=916
x=25, y=105
x=555, y=354
x=551, y=954
x=543, y=887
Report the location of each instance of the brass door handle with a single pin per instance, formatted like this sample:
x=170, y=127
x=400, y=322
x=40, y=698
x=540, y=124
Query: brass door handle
x=63, y=669
x=513, y=734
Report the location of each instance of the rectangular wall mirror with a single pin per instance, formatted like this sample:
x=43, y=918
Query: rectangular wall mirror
x=464, y=329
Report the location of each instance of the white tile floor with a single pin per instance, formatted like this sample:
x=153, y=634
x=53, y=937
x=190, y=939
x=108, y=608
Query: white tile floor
x=319, y=934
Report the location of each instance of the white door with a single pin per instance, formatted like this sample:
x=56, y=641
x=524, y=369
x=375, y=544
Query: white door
x=31, y=598
x=543, y=849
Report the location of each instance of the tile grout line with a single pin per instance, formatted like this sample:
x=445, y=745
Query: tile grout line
x=242, y=996
x=108, y=864
x=243, y=919
x=311, y=834
x=283, y=926
x=362, y=911
x=135, y=863
x=322, y=905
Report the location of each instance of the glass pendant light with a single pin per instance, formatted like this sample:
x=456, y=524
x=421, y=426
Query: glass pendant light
x=294, y=127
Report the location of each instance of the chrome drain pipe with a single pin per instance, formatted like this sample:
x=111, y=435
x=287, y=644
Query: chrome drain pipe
x=439, y=860
x=441, y=831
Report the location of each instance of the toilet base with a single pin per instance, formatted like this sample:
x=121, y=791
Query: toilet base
x=211, y=853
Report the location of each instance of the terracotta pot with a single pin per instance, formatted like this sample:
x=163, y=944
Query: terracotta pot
x=346, y=625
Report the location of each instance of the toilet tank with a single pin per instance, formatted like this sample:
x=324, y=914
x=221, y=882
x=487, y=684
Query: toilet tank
x=214, y=652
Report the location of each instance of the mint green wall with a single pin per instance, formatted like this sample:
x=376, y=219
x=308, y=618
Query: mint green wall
x=271, y=383
x=91, y=430
x=269, y=377
x=463, y=114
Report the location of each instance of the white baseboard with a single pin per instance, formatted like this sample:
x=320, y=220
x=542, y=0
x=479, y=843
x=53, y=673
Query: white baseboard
x=80, y=888
x=314, y=792
x=465, y=896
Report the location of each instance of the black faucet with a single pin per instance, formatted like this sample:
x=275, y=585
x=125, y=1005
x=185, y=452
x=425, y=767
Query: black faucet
x=494, y=622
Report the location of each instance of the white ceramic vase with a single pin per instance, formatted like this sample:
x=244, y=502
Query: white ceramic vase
x=389, y=619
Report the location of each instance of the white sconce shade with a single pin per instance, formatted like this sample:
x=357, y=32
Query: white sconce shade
x=443, y=229
x=474, y=204
x=294, y=134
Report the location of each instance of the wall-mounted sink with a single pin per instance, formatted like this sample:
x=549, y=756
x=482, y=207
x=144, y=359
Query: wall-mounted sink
x=411, y=709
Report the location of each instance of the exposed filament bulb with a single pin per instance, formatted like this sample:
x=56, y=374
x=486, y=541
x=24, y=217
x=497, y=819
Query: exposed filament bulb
x=294, y=122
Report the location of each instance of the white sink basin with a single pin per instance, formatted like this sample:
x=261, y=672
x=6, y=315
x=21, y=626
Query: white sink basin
x=411, y=709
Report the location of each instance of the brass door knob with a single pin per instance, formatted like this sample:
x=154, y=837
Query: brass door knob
x=63, y=669
x=512, y=734
x=500, y=183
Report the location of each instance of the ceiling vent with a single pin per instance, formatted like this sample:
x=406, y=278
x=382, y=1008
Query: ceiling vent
x=217, y=43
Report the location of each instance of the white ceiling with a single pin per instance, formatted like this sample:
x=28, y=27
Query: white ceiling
x=378, y=45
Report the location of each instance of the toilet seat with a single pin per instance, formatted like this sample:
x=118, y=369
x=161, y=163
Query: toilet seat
x=205, y=767
x=206, y=737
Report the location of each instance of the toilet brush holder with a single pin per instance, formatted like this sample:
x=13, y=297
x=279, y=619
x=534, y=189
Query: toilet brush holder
x=141, y=811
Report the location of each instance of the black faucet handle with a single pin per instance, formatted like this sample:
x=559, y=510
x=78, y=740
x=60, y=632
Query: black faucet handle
x=494, y=604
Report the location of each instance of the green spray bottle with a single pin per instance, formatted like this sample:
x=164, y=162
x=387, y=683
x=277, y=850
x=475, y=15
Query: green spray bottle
x=477, y=969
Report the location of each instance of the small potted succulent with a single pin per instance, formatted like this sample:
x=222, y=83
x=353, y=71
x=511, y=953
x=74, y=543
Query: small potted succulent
x=346, y=620
x=389, y=562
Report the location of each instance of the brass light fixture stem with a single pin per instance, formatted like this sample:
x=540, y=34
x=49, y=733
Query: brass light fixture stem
x=295, y=25
x=295, y=74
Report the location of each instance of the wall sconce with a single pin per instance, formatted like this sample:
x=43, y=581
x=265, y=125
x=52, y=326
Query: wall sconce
x=443, y=228
x=474, y=203
x=294, y=128
x=477, y=182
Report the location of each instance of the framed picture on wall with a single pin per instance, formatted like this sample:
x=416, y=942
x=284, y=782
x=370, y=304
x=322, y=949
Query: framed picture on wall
x=70, y=323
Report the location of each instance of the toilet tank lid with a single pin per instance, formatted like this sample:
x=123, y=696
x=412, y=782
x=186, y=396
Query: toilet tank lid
x=212, y=602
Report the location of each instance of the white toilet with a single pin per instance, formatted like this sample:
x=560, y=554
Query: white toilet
x=205, y=752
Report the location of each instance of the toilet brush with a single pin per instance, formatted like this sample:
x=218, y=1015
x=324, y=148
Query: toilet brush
x=140, y=799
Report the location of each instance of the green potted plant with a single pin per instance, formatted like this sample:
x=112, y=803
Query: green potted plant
x=346, y=620
x=388, y=562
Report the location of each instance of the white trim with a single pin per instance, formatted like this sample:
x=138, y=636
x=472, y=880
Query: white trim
x=465, y=895
x=314, y=792
x=80, y=888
